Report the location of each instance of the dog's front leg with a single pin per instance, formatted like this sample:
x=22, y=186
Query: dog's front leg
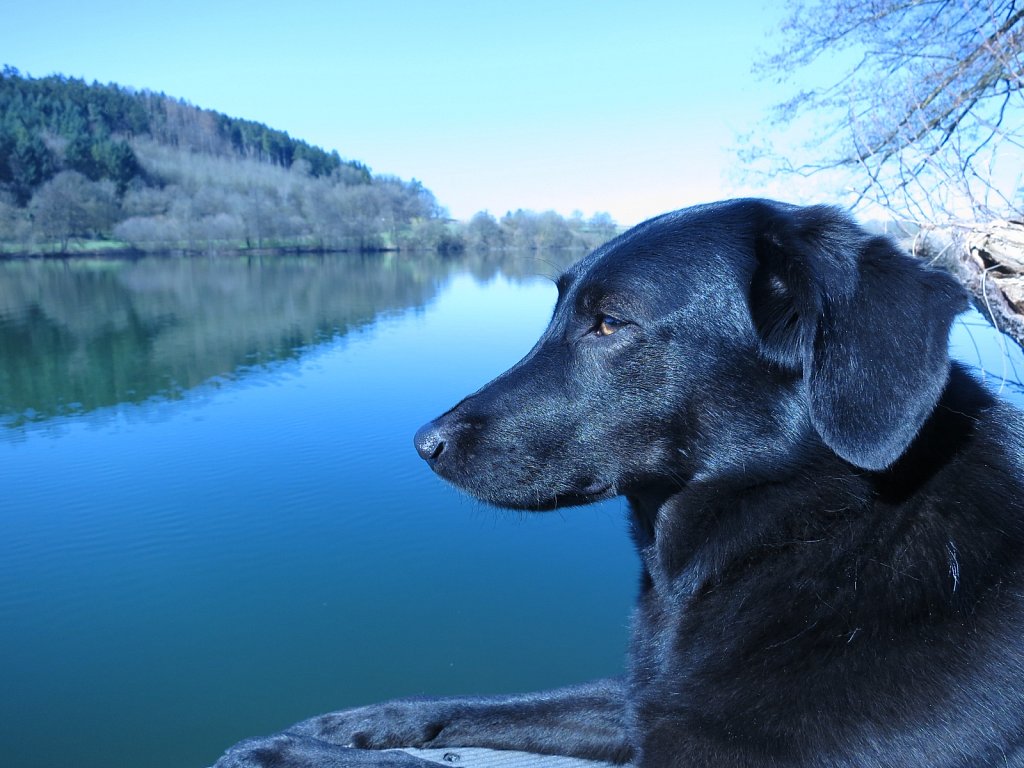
x=587, y=721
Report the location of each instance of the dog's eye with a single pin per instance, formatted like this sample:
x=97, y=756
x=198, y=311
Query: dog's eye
x=607, y=325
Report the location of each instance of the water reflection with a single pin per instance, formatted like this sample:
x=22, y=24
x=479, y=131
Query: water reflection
x=995, y=357
x=79, y=335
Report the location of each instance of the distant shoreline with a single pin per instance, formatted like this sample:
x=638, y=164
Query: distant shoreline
x=98, y=249
x=104, y=250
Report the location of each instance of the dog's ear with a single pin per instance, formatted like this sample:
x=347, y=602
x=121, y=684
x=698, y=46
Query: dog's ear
x=866, y=325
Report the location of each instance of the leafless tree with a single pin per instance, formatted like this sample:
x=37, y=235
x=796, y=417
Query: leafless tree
x=924, y=110
x=70, y=206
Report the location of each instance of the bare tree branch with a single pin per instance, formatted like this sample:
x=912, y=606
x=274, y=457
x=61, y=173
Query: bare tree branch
x=930, y=115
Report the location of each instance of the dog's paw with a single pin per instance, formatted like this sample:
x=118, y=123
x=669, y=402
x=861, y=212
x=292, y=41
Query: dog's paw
x=289, y=750
x=381, y=726
x=279, y=750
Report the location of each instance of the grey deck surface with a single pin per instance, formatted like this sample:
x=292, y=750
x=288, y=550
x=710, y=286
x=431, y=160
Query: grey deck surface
x=475, y=757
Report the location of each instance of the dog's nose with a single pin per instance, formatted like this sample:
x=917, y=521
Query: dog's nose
x=429, y=441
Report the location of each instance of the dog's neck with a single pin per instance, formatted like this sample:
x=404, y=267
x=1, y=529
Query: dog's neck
x=703, y=529
x=644, y=507
x=716, y=523
x=695, y=524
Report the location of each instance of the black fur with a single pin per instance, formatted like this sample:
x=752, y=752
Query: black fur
x=830, y=516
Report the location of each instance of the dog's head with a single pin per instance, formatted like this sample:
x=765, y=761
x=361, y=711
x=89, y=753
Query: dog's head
x=724, y=339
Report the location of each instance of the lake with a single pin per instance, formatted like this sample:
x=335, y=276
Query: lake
x=214, y=521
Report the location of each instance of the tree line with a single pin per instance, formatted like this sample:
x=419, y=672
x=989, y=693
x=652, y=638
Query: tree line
x=109, y=166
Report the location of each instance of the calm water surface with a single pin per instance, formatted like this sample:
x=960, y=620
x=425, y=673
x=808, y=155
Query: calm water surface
x=214, y=523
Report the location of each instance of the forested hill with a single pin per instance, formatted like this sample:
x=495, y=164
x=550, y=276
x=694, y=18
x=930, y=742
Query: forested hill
x=83, y=161
x=102, y=166
x=56, y=123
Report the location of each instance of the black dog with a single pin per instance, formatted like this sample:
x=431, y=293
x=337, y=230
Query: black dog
x=829, y=514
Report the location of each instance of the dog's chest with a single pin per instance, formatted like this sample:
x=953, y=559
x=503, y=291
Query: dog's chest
x=668, y=646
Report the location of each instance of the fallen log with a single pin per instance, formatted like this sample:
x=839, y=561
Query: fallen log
x=989, y=260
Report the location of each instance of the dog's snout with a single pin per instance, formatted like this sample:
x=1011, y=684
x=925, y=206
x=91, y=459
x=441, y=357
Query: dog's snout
x=429, y=441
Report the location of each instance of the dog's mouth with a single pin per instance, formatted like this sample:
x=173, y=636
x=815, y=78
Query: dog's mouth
x=531, y=500
x=580, y=495
x=584, y=493
x=598, y=489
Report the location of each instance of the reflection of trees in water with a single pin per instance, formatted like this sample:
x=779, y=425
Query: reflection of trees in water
x=78, y=335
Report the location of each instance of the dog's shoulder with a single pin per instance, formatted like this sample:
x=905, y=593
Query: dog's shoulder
x=971, y=451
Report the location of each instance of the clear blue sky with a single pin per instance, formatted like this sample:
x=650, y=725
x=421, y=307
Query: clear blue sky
x=633, y=109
